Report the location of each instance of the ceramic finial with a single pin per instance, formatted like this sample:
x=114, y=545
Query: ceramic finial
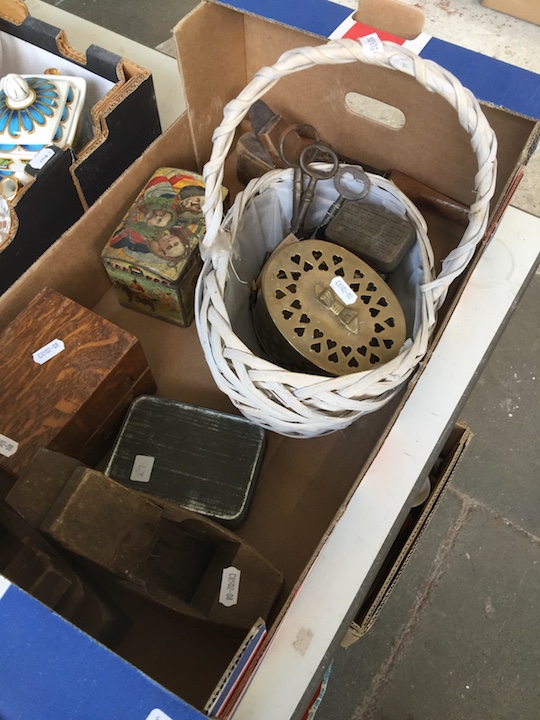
x=17, y=90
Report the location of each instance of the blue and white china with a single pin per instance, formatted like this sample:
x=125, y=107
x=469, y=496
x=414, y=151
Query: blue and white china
x=36, y=111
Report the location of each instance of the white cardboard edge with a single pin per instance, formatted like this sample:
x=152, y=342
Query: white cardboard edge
x=4, y=585
x=307, y=630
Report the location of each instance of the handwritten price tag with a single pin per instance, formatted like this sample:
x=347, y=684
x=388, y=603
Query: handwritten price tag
x=8, y=447
x=343, y=291
x=48, y=351
x=142, y=468
x=371, y=43
x=230, y=585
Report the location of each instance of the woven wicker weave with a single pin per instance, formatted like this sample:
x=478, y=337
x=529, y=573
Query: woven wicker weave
x=296, y=404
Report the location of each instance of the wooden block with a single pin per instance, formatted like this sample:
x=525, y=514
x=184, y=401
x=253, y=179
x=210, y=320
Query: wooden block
x=62, y=400
x=40, y=484
x=27, y=560
x=173, y=557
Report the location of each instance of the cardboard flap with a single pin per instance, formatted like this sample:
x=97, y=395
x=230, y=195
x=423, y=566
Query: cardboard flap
x=431, y=136
x=14, y=11
x=392, y=16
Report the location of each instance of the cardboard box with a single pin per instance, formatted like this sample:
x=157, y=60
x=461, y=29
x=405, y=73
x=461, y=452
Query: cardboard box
x=71, y=181
x=414, y=526
x=524, y=9
x=51, y=669
x=304, y=484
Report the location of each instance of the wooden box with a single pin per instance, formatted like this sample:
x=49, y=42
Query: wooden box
x=153, y=256
x=67, y=377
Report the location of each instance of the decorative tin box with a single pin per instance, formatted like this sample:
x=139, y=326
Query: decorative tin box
x=153, y=257
x=67, y=378
x=205, y=460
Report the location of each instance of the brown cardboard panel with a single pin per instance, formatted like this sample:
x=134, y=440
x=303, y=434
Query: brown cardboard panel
x=206, y=92
x=319, y=98
x=524, y=9
x=393, y=16
x=184, y=655
x=322, y=92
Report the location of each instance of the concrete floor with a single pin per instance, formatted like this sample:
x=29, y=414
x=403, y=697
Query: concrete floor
x=457, y=639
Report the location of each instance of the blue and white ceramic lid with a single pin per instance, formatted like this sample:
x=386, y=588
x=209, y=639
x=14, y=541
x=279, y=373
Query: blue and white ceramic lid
x=36, y=111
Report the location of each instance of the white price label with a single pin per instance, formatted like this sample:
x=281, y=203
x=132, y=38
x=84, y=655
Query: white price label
x=230, y=585
x=371, y=43
x=158, y=714
x=8, y=447
x=48, y=351
x=343, y=291
x=142, y=468
x=41, y=158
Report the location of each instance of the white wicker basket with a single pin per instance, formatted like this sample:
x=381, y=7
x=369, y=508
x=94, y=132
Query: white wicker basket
x=297, y=404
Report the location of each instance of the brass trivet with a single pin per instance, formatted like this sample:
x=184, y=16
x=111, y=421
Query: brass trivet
x=319, y=307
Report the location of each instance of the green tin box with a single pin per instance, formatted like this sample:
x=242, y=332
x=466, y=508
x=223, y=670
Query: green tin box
x=153, y=256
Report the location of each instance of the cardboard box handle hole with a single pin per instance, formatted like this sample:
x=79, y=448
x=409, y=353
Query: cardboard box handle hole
x=375, y=110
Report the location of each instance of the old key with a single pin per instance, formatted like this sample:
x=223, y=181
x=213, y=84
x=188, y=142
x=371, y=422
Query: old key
x=298, y=130
x=314, y=153
x=352, y=183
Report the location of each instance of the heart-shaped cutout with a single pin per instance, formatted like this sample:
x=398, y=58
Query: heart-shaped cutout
x=317, y=333
x=331, y=344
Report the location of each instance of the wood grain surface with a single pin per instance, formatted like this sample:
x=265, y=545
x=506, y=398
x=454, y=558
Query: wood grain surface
x=61, y=403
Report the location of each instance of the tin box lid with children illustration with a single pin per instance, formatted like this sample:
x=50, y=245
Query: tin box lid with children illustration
x=161, y=231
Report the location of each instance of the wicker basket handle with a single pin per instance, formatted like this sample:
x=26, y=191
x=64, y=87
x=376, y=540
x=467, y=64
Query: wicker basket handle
x=433, y=77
